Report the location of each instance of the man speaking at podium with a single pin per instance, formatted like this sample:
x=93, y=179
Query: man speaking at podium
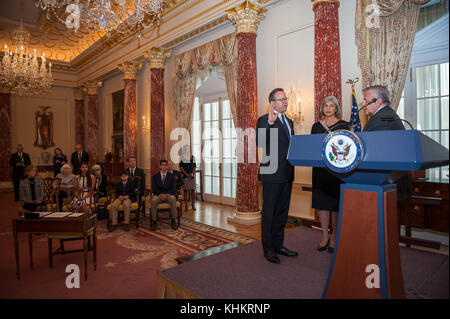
x=384, y=118
x=277, y=184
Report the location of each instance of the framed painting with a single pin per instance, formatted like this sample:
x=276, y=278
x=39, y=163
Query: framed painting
x=44, y=128
x=118, y=100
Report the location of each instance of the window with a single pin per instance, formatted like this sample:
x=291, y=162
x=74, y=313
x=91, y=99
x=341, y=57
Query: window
x=217, y=150
x=433, y=109
x=425, y=100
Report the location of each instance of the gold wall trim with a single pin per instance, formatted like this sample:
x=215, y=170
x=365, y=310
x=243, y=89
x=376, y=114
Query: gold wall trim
x=165, y=33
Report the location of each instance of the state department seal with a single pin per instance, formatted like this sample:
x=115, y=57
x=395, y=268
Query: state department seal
x=342, y=151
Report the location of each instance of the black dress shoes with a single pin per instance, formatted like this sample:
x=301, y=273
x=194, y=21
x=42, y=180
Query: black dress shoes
x=331, y=249
x=174, y=224
x=272, y=257
x=322, y=248
x=286, y=252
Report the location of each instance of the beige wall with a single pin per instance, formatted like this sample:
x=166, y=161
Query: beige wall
x=23, y=122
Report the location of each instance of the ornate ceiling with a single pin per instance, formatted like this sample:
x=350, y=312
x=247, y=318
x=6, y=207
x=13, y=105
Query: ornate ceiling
x=49, y=36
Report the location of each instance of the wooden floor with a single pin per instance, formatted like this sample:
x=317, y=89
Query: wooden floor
x=217, y=216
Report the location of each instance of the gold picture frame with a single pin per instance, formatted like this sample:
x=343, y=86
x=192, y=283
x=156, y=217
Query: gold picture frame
x=44, y=128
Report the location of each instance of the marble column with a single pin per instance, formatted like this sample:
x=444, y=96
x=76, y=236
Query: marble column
x=129, y=70
x=327, y=53
x=91, y=87
x=157, y=58
x=246, y=18
x=79, y=115
x=5, y=134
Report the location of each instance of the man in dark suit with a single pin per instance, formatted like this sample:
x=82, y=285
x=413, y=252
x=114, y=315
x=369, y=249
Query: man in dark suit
x=78, y=157
x=163, y=187
x=384, y=118
x=125, y=195
x=18, y=161
x=276, y=175
x=133, y=171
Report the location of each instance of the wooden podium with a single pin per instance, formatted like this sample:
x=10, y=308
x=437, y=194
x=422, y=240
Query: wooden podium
x=366, y=261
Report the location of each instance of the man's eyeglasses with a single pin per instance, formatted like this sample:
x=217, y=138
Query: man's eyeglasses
x=282, y=100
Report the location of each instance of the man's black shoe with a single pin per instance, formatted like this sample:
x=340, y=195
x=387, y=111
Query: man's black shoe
x=174, y=224
x=272, y=257
x=153, y=226
x=286, y=252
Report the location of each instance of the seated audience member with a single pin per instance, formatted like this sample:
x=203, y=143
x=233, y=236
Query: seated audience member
x=178, y=177
x=66, y=183
x=84, y=184
x=32, y=191
x=101, y=183
x=132, y=170
x=125, y=195
x=163, y=186
x=78, y=157
x=59, y=159
x=18, y=162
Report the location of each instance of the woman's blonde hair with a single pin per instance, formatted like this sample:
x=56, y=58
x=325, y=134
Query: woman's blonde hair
x=66, y=166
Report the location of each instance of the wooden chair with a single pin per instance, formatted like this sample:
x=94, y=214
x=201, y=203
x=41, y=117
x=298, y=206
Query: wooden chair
x=102, y=202
x=135, y=206
x=71, y=203
x=165, y=207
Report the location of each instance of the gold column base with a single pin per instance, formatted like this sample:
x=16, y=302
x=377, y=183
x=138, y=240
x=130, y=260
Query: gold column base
x=246, y=218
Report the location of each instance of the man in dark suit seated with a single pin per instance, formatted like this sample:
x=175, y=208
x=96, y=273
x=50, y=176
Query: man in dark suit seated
x=125, y=195
x=133, y=171
x=384, y=118
x=178, y=177
x=78, y=157
x=163, y=187
x=18, y=161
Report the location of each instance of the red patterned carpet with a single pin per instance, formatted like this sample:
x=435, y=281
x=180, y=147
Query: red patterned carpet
x=127, y=262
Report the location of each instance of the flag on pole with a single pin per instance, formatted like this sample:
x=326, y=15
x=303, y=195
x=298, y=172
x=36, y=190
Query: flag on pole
x=354, y=118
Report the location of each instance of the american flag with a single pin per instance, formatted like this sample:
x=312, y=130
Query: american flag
x=354, y=118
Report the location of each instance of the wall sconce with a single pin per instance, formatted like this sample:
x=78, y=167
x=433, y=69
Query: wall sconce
x=145, y=124
x=294, y=111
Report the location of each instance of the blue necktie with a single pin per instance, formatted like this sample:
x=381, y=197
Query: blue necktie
x=283, y=120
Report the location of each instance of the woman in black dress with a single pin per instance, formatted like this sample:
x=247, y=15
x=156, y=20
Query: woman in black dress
x=188, y=168
x=325, y=185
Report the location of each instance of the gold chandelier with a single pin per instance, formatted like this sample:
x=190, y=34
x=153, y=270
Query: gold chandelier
x=21, y=71
x=106, y=15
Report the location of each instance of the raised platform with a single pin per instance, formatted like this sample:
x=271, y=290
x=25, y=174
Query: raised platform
x=243, y=272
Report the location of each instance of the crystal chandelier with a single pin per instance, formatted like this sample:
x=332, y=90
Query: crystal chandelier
x=20, y=71
x=106, y=15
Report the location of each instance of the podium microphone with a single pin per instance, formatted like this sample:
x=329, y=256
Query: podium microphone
x=391, y=119
x=373, y=101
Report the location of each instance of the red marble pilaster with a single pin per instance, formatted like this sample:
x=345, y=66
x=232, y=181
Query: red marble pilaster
x=327, y=57
x=5, y=136
x=130, y=120
x=247, y=115
x=157, y=119
x=92, y=140
x=79, y=117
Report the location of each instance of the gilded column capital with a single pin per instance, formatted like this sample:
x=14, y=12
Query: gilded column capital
x=157, y=57
x=130, y=69
x=78, y=93
x=91, y=87
x=246, y=17
x=316, y=2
